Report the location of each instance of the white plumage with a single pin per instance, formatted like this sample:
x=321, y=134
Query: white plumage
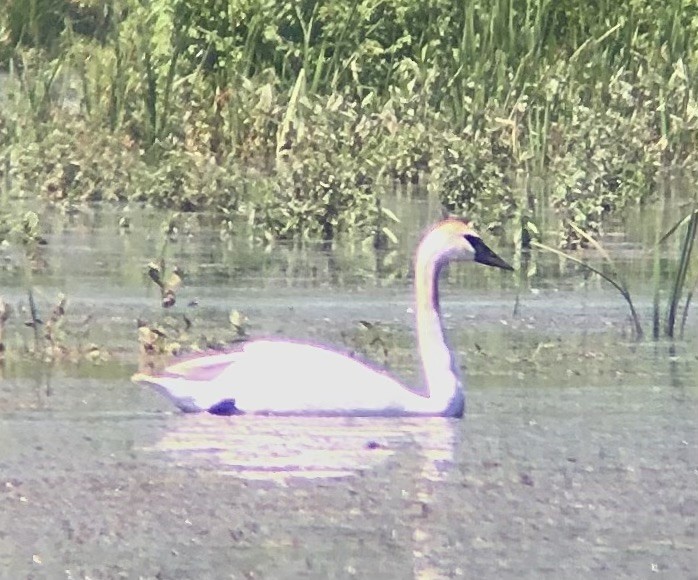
x=278, y=376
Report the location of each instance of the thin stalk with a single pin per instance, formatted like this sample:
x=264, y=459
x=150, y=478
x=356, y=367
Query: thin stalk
x=169, y=82
x=338, y=52
x=656, y=268
x=680, y=279
x=684, y=316
x=150, y=96
x=618, y=285
x=255, y=29
x=307, y=28
x=657, y=277
x=291, y=115
x=35, y=320
x=116, y=88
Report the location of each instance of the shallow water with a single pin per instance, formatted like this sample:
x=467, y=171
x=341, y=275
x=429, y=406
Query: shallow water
x=578, y=457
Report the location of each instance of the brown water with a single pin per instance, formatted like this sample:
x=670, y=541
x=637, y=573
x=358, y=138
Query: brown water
x=578, y=457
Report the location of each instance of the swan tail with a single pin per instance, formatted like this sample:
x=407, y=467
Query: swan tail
x=178, y=391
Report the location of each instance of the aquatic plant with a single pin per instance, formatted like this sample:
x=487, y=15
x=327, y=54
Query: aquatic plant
x=34, y=322
x=176, y=331
x=371, y=340
x=53, y=331
x=169, y=286
x=153, y=342
x=690, y=221
x=174, y=334
x=613, y=277
x=239, y=323
x=53, y=339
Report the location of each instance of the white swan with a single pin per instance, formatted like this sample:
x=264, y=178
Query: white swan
x=283, y=377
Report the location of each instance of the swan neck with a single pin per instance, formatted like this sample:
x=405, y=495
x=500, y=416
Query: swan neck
x=439, y=368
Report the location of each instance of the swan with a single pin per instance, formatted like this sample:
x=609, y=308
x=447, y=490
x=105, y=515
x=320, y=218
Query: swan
x=285, y=377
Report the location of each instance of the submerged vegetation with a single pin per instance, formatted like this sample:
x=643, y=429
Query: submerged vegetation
x=50, y=339
x=296, y=116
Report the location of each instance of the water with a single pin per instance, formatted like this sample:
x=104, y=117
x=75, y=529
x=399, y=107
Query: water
x=578, y=456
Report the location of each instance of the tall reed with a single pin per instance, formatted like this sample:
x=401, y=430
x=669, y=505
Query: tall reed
x=689, y=239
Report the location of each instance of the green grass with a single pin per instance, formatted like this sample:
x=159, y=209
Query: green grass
x=470, y=95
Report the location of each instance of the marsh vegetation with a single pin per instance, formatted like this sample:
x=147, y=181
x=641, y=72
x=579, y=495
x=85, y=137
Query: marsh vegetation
x=299, y=116
x=543, y=121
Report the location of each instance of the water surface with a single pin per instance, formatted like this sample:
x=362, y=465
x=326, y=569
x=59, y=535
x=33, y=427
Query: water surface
x=578, y=456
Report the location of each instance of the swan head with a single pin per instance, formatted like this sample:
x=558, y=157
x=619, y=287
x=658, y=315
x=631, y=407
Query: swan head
x=454, y=240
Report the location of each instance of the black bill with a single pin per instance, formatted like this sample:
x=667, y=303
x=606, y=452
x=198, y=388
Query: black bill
x=484, y=255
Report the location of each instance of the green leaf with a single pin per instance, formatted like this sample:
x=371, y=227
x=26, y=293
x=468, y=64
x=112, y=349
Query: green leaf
x=390, y=215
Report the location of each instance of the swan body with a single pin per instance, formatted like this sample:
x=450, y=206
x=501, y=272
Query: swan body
x=285, y=377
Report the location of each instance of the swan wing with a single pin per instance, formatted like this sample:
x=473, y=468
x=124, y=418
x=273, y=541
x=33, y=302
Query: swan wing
x=286, y=377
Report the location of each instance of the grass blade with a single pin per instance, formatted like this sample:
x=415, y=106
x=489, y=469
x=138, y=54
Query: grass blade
x=290, y=118
x=618, y=285
x=595, y=244
x=684, y=262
